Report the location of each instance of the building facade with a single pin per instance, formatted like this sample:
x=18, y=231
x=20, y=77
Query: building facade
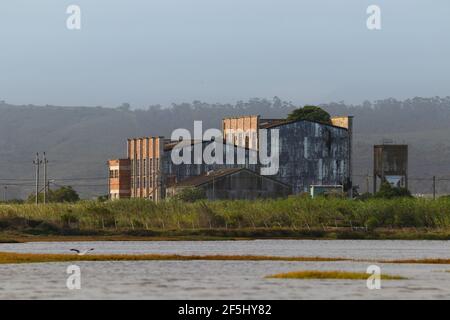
x=145, y=156
x=390, y=165
x=310, y=153
x=119, y=179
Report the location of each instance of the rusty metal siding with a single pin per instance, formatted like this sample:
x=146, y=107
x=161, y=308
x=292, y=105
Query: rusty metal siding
x=390, y=160
x=245, y=186
x=312, y=154
x=176, y=173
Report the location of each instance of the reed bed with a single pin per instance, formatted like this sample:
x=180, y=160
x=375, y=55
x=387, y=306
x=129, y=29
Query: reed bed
x=334, y=275
x=295, y=213
x=12, y=257
x=418, y=261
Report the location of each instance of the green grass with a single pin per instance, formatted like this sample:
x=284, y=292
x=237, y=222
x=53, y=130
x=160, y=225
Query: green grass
x=295, y=217
x=336, y=275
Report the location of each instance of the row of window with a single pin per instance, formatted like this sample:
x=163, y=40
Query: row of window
x=113, y=173
x=137, y=165
x=146, y=183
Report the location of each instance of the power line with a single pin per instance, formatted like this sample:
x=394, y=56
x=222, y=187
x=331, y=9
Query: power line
x=61, y=179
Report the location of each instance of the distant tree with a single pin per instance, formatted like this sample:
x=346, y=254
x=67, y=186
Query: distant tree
x=124, y=107
x=63, y=194
x=311, y=113
x=388, y=192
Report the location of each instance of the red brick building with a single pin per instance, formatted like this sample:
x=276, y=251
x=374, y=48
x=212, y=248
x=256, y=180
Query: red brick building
x=119, y=178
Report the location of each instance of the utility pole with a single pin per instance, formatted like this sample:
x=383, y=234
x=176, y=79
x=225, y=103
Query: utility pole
x=367, y=183
x=434, y=187
x=45, y=161
x=214, y=188
x=37, y=163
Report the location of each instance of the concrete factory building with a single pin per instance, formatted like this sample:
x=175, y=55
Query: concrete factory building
x=233, y=184
x=309, y=153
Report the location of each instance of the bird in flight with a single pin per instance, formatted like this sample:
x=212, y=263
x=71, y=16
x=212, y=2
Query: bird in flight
x=83, y=252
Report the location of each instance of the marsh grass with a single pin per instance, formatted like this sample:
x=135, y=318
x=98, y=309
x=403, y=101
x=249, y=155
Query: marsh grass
x=336, y=275
x=11, y=257
x=418, y=261
x=292, y=213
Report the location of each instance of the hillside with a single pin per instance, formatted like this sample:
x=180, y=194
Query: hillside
x=79, y=140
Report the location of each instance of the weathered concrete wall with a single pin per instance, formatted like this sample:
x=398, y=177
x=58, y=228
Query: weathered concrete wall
x=390, y=160
x=313, y=153
x=241, y=131
x=145, y=154
x=175, y=173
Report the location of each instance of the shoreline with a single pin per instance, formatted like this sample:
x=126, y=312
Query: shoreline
x=223, y=235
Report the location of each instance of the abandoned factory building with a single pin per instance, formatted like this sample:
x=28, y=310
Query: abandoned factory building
x=233, y=183
x=309, y=153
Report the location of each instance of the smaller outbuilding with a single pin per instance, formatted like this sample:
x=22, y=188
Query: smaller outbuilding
x=233, y=183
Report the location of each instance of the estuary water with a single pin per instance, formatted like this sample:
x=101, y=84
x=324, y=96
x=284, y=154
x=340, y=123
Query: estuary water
x=227, y=279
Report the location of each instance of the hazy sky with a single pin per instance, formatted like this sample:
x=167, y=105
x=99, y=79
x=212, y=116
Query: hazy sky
x=162, y=51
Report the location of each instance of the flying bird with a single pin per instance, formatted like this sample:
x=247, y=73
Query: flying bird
x=82, y=253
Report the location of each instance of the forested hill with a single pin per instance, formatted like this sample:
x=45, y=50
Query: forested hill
x=79, y=140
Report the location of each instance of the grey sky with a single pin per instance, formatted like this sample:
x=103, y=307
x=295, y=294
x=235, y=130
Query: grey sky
x=162, y=51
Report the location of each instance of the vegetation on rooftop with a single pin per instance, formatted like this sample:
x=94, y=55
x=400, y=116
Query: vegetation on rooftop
x=311, y=113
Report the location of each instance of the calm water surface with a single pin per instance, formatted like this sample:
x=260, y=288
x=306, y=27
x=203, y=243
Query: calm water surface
x=227, y=279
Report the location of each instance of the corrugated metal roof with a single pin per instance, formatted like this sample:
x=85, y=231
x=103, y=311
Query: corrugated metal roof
x=207, y=177
x=285, y=122
x=218, y=174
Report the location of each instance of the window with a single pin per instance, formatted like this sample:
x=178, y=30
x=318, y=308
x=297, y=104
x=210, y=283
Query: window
x=145, y=167
x=145, y=182
x=254, y=140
